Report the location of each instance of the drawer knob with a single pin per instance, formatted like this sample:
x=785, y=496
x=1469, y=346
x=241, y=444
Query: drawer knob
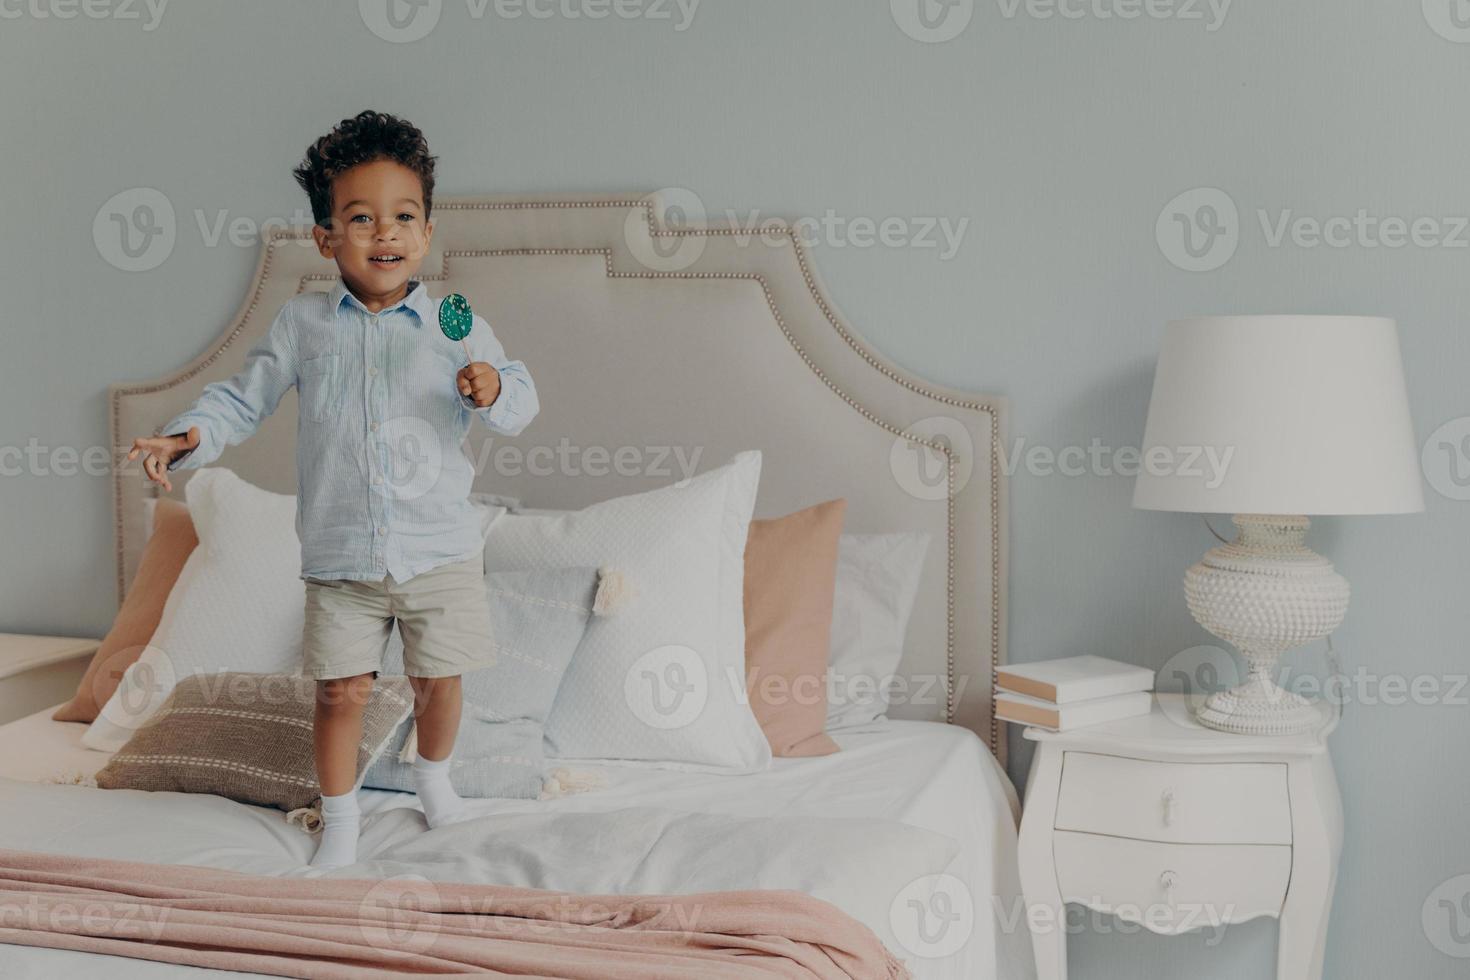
x=1171, y=807
x=1168, y=879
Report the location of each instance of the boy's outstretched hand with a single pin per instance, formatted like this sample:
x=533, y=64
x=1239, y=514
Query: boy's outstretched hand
x=480, y=382
x=162, y=450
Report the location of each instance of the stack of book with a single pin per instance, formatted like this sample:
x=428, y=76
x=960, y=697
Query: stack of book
x=1074, y=692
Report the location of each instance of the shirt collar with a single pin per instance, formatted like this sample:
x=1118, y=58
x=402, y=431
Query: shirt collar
x=417, y=300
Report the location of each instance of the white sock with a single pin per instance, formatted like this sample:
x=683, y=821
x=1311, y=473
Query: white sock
x=442, y=804
x=341, y=820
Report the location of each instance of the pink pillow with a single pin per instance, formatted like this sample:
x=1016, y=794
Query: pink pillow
x=168, y=547
x=790, y=574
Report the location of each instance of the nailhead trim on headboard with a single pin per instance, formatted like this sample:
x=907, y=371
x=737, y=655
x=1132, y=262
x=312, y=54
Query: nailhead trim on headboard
x=987, y=407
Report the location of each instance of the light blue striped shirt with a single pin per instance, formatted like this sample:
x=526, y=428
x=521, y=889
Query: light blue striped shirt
x=383, y=480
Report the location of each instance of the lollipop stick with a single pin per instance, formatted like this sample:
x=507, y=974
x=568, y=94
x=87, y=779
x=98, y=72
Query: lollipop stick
x=467, y=353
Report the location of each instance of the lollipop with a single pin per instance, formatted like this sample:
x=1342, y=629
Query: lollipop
x=456, y=319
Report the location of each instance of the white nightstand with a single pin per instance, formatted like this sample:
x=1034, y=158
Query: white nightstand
x=39, y=671
x=1175, y=827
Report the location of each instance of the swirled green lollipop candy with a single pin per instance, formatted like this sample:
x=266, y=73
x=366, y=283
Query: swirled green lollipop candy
x=456, y=318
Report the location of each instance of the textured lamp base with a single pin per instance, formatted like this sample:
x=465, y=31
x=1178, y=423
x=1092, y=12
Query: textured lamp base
x=1259, y=707
x=1265, y=592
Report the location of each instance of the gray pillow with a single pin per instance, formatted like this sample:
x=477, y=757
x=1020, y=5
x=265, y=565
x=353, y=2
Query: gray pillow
x=539, y=618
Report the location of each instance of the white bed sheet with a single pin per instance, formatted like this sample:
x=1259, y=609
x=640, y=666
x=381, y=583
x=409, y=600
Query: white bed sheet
x=927, y=775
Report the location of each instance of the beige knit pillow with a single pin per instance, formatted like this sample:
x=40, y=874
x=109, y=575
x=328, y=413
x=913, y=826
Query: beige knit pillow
x=247, y=737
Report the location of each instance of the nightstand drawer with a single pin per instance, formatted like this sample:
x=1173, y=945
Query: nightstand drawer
x=1172, y=888
x=1210, y=803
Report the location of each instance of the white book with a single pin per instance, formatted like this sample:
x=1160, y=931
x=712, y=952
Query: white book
x=1074, y=679
x=1025, y=710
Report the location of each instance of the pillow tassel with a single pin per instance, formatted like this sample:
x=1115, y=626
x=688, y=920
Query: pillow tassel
x=613, y=592
x=567, y=782
x=309, y=816
x=410, y=750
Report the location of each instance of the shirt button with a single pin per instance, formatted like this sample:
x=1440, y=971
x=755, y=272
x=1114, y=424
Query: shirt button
x=377, y=481
x=372, y=372
x=374, y=427
x=382, y=531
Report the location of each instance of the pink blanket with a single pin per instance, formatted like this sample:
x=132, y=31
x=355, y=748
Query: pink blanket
x=333, y=928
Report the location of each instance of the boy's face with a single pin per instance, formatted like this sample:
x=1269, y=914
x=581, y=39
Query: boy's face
x=379, y=234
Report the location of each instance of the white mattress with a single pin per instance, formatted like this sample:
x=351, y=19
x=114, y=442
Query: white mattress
x=926, y=775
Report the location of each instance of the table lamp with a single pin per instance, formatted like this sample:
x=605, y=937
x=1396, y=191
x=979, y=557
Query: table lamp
x=1303, y=415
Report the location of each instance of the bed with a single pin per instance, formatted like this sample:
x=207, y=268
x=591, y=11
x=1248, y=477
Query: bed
x=662, y=339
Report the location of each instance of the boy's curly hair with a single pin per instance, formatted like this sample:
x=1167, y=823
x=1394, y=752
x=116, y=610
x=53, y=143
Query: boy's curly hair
x=364, y=138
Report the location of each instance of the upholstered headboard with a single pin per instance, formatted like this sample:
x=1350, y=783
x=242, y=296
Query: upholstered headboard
x=654, y=346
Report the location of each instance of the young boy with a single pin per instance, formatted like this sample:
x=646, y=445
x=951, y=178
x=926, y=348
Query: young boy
x=383, y=514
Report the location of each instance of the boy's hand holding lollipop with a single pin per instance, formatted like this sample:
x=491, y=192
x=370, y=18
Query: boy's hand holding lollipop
x=477, y=380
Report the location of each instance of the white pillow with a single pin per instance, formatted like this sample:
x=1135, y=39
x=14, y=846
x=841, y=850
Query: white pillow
x=662, y=682
x=877, y=582
x=237, y=605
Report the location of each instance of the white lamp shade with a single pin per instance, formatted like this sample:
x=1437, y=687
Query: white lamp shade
x=1288, y=415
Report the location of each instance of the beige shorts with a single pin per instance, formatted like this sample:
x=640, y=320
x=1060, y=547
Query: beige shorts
x=442, y=614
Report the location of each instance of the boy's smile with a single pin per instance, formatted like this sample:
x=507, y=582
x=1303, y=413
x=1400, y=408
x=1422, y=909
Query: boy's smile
x=378, y=233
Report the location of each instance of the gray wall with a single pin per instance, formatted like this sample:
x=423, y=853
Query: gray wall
x=1059, y=139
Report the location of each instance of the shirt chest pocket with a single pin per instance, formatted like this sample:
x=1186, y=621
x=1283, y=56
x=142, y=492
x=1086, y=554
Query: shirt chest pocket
x=321, y=387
